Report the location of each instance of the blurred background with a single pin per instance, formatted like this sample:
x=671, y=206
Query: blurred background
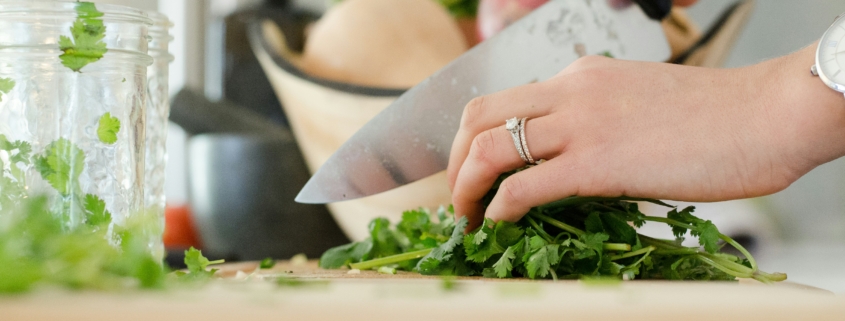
x=234, y=165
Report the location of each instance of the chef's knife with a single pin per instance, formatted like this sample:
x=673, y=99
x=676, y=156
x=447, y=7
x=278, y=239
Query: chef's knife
x=411, y=139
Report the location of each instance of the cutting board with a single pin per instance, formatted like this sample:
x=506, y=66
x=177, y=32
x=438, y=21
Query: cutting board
x=338, y=295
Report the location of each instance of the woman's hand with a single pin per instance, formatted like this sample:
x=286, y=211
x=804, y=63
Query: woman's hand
x=610, y=127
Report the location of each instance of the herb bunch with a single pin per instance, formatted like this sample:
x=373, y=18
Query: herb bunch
x=574, y=238
x=37, y=249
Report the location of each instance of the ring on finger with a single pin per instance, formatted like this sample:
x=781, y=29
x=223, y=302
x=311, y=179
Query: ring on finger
x=528, y=159
x=512, y=125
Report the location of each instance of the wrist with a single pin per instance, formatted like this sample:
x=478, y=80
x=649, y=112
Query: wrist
x=811, y=115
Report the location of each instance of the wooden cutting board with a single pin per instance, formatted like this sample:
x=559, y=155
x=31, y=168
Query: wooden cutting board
x=337, y=295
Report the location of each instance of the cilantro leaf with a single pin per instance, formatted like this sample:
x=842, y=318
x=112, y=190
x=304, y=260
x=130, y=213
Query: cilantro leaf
x=383, y=239
x=95, y=211
x=593, y=223
x=341, y=256
x=708, y=236
x=267, y=263
x=6, y=85
x=541, y=258
x=434, y=262
x=87, y=33
x=60, y=165
x=618, y=229
x=504, y=266
x=197, y=265
x=108, y=128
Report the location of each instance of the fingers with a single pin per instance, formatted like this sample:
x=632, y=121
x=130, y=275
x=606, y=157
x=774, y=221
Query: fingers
x=538, y=185
x=492, y=153
x=491, y=111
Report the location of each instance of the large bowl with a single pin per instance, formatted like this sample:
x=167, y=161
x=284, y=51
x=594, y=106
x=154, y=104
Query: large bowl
x=324, y=114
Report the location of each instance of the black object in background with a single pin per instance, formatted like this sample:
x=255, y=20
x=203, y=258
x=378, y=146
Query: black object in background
x=244, y=173
x=244, y=82
x=242, y=190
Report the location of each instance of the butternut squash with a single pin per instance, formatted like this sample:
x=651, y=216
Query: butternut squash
x=382, y=43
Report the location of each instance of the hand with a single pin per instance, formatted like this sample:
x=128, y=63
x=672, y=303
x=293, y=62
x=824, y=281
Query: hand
x=611, y=127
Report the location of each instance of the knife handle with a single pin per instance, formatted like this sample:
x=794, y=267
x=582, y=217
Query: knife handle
x=655, y=9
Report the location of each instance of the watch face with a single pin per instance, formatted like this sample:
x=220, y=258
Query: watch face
x=831, y=55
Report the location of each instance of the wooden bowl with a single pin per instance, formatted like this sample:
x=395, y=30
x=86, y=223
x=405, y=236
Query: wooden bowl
x=323, y=115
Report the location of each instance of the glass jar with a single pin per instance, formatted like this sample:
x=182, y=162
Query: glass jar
x=72, y=125
x=158, y=112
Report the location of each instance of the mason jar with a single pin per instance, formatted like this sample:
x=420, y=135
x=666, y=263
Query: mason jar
x=158, y=112
x=72, y=108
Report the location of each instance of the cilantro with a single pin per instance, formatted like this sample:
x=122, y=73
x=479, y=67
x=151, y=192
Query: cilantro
x=60, y=165
x=267, y=263
x=108, y=128
x=576, y=237
x=387, y=270
x=13, y=187
x=504, y=265
x=95, y=211
x=197, y=265
x=573, y=238
x=343, y=255
x=36, y=248
x=541, y=257
x=87, y=32
x=6, y=85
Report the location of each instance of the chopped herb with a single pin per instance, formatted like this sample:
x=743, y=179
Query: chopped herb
x=198, y=266
x=267, y=263
x=6, y=85
x=60, y=165
x=107, y=129
x=87, y=45
x=574, y=238
x=95, y=211
x=387, y=270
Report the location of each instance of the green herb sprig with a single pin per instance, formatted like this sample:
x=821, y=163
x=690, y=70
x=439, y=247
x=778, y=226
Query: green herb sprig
x=574, y=238
x=86, y=44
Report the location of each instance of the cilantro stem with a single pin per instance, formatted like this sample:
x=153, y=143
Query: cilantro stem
x=725, y=238
x=741, y=249
x=732, y=265
x=617, y=247
x=668, y=221
x=724, y=268
x=685, y=251
x=577, y=200
x=540, y=230
x=662, y=243
x=647, y=253
x=216, y=262
x=554, y=275
x=634, y=253
x=559, y=224
x=393, y=259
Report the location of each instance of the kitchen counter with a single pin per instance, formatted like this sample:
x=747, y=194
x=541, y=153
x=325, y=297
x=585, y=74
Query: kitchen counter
x=334, y=295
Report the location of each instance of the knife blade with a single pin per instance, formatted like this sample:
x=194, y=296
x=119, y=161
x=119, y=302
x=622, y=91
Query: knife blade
x=411, y=139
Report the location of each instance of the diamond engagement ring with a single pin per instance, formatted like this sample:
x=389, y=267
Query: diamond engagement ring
x=513, y=126
x=528, y=159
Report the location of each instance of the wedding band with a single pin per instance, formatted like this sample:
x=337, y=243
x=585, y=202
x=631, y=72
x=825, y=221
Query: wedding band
x=512, y=125
x=528, y=159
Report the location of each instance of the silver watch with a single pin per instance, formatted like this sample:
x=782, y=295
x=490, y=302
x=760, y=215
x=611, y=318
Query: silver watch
x=830, y=56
